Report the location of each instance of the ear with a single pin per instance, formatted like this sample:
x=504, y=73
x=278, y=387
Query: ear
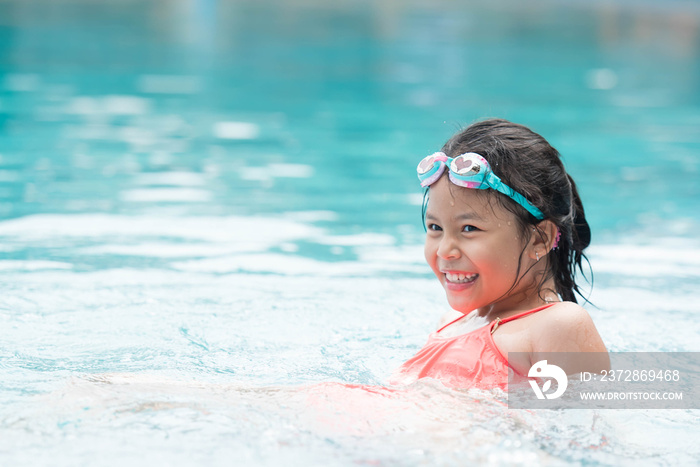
x=543, y=237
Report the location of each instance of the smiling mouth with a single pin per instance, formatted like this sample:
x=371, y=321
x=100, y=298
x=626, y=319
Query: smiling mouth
x=459, y=278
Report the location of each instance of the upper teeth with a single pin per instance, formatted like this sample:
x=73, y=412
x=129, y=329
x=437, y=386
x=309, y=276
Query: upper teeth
x=459, y=277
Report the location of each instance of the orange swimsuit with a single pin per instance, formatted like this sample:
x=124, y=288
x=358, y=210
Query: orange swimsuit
x=467, y=360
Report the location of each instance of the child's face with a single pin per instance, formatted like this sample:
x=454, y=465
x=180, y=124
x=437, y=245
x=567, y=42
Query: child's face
x=473, y=246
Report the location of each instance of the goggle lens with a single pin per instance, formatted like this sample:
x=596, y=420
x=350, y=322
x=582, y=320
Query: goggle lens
x=465, y=165
x=426, y=165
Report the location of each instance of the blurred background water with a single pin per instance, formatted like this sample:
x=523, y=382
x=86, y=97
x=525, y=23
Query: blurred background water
x=224, y=192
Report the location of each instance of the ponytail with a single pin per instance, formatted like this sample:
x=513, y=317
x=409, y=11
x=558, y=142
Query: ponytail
x=569, y=256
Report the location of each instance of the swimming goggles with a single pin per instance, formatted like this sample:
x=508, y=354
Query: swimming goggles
x=469, y=170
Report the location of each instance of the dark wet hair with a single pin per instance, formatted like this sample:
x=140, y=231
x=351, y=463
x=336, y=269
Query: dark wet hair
x=526, y=162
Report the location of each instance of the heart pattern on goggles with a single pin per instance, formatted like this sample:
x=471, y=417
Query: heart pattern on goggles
x=463, y=166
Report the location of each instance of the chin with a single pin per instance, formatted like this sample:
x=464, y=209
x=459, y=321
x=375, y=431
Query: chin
x=460, y=306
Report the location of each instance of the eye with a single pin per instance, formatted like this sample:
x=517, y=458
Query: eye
x=434, y=227
x=469, y=228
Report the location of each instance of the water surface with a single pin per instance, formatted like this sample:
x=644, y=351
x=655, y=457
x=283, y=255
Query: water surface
x=210, y=234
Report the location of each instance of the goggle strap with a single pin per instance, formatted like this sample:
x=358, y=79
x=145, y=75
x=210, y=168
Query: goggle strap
x=501, y=187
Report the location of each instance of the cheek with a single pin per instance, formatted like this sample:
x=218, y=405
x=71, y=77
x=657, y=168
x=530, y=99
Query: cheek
x=509, y=260
x=430, y=253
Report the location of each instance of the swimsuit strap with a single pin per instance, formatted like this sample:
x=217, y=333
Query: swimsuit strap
x=525, y=313
x=451, y=322
x=498, y=321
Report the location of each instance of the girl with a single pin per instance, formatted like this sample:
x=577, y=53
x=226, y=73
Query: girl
x=505, y=231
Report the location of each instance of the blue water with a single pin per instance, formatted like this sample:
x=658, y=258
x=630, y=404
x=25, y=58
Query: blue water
x=209, y=217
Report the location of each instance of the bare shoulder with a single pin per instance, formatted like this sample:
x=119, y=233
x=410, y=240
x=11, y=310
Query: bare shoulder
x=566, y=327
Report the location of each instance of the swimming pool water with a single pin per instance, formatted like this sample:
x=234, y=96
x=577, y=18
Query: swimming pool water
x=210, y=236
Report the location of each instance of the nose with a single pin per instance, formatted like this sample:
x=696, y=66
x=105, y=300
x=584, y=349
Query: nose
x=448, y=249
